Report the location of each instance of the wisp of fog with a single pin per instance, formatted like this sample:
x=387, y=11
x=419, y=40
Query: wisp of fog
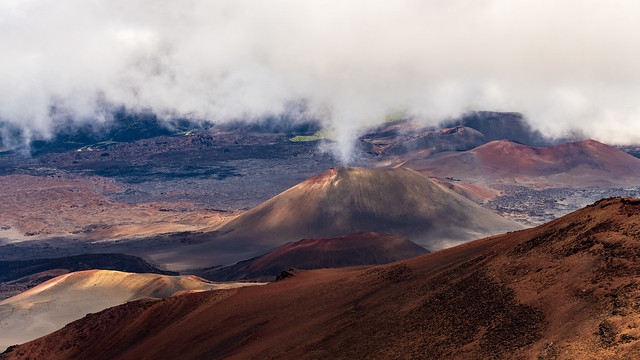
x=565, y=65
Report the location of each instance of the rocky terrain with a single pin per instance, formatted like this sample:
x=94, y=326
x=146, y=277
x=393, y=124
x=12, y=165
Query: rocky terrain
x=222, y=168
x=391, y=140
x=403, y=138
x=184, y=178
x=81, y=207
x=341, y=201
x=536, y=206
x=533, y=184
x=183, y=238
x=581, y=164
x=213, y=196
x=567, y=289
x=173, y=188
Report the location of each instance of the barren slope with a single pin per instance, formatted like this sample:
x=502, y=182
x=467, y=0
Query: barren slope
x=583, y=163
x=39, y=207
x=18, y=276
x=50, y=305
x=344, y=201
x=568, y=289
x=307, y=254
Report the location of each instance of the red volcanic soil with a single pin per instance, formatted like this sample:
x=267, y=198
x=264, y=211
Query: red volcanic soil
x=307, y=254
x=583, y=163
x=568, y=289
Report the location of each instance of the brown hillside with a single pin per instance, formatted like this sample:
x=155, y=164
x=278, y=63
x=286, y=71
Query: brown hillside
x=342, y=201
x=50, y=305
x=568, y=289
x=307, y=254
x=583, y=163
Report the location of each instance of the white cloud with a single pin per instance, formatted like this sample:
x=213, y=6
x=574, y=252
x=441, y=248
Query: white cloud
x=565, y=65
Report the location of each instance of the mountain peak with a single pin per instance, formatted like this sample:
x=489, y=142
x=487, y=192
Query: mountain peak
x=347, y=200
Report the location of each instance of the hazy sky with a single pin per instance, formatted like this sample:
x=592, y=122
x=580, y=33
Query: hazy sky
x=564, y=64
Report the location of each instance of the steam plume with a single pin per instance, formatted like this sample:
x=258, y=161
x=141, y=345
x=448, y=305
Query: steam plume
x=565, y=65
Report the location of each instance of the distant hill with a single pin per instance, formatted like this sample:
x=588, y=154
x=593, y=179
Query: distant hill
x=406, y=138
x=403, y=137
x=342, y=201
x=496, y=125
x=49, y=306
x=17, y=276
x=12, y=270
x=567, y=289
x=307, y=254
x=583, y=163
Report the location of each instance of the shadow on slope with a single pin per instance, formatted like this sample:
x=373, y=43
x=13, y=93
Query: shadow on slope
x=345, y=201
x=564, y=290
x=49, y=306
x=20, y=275
x=307, y=254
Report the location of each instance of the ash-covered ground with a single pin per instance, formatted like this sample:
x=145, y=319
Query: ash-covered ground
x=534, y=207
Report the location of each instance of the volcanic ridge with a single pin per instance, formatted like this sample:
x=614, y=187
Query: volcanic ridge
x=52, y=304
x=307, y=254
x=578, y=164
x=567, y=289
x=19, y=275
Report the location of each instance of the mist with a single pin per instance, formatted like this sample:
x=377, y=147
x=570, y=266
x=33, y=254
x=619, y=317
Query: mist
x=567, y=66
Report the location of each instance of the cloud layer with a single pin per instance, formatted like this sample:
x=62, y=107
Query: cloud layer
x=565, y=65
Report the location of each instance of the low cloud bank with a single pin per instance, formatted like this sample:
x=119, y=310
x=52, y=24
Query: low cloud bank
x=566, y=66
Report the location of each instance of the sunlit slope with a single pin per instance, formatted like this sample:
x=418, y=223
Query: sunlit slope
x=578, y=164
x=567, y=289
x=346, y=200
x=50, y=305
x=342, y=201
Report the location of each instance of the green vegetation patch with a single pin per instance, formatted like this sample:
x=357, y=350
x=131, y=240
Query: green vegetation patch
x=97, y=146
x=395, y=116
x=318, y=135
x=305, y=138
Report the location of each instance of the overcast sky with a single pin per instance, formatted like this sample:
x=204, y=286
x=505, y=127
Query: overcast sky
x=571, y=64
